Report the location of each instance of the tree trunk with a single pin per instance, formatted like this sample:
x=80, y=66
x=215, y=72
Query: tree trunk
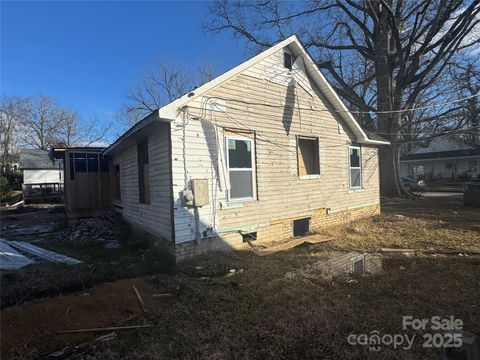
x=388, y=99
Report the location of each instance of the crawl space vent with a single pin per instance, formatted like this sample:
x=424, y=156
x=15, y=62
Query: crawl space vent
x=301, y=227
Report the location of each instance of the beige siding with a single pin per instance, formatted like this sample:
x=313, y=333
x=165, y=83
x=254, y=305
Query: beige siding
x=277, y=113
x=156, y=216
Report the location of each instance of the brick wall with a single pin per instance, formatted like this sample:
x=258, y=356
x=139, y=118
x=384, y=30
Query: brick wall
x=276, y=231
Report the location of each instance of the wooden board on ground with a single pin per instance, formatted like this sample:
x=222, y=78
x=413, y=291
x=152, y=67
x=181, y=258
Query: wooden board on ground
x=291, y=243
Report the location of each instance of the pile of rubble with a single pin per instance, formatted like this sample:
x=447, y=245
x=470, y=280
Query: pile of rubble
x=107, y=228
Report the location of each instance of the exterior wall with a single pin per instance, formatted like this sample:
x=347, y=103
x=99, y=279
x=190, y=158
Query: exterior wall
x=40, y=176
x=437, y=169
x=282, y=229
x=156, y=216
x=197, y=153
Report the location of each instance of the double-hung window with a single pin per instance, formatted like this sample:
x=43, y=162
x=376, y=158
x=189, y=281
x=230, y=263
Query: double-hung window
x=241, y=167
x=355, y=164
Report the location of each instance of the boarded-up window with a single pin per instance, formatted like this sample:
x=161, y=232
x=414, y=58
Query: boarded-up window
x=240, y=161
x=143, y=172
x=116, y=182
x=308, y=159
x=355, y=161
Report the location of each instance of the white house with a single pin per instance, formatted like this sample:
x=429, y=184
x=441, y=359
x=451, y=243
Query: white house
x=39, y=170
x=266, y=151
x=446, y=157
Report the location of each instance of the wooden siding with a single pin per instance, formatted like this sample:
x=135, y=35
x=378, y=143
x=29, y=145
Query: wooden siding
x=277, y=113
x=156, y=216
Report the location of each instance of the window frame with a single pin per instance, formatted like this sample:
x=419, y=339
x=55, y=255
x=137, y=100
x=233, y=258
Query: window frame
x=317, y=140
x=359, y=148
x=252, y=169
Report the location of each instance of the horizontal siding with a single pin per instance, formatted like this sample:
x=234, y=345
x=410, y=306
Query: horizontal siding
x=156, y=216
x=277, y=114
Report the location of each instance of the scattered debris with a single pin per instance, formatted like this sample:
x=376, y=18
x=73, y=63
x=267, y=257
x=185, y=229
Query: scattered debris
x=11, y=259
x=291, y=243
x=198, y=267
x=16, y=204
x=140, y=300
x=406, y=252
x=43, y=253
x=165, y=295
x=69, y=351
x=103, y=228
x=17, y=230
x=400, y=217
x=111, y=328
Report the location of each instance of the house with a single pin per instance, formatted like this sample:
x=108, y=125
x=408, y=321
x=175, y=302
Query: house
x=445, y=157
x=264, y=152
x=42, y=175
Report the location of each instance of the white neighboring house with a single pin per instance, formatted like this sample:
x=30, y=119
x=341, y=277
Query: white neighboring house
x=38, y=169
x=445, y=157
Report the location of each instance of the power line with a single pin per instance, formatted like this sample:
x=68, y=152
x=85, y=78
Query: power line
x=348, y=111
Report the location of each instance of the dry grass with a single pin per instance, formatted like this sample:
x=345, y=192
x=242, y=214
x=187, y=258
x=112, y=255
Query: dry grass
x=423, y=225
x=266, y=313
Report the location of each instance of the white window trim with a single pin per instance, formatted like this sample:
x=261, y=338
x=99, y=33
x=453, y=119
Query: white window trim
x=358, y=168
x=253, y=168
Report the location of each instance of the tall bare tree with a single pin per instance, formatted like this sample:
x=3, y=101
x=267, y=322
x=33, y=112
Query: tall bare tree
x=404, y=48
x=12, y=111
x=161, y=85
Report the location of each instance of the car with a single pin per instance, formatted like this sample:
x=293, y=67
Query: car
x=413, y=185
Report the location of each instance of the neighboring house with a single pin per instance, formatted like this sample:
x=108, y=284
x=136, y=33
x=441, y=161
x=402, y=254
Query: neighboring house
x=264, y=152
x=446, y=157
x=42, y=175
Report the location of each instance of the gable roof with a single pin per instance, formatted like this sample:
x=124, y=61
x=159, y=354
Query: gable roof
x=169, y=112
x=36, y=159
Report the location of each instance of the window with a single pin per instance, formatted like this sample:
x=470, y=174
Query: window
x=287, y=60
x=355, y=163
x=143, y=172
x=116, y=182
x=448, y=166
x=240, y=163
x=308, y=159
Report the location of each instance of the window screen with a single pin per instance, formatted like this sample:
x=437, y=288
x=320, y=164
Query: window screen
x=240, y=169
x=308, y=159
x=355, y=167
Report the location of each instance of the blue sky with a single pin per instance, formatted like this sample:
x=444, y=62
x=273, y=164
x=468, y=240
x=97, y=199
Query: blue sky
x=89, y=54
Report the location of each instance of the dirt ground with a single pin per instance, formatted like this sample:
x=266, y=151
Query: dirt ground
x=277, y=306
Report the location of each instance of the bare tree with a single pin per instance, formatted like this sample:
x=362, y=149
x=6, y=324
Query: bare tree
x=405, y=47
x=74, y=132
x=161, y=85
x=12, y=111
x=40, y=122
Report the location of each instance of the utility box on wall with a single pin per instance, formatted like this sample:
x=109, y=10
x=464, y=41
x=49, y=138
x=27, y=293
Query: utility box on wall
x=200, y=192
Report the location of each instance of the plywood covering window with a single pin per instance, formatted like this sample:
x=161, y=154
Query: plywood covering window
x=116, y=182
x=143, y=172
x=241, y=167
x=308, y=157
x=355, y=164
